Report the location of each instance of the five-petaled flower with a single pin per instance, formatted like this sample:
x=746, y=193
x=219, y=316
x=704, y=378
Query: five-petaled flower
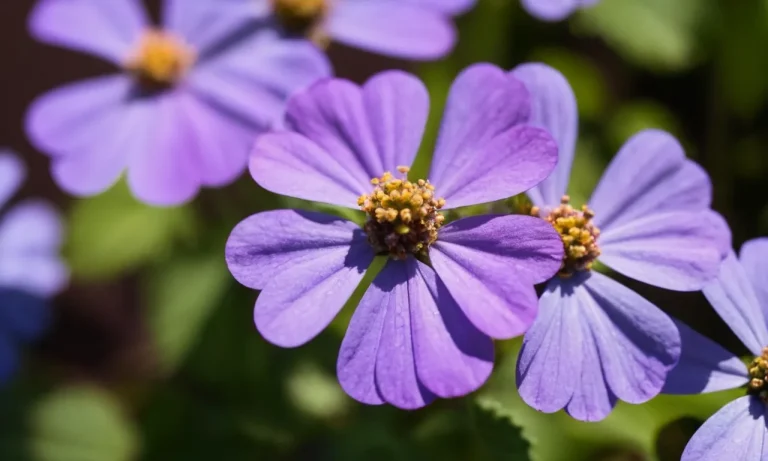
x=740, y=297
x=30, y=267
x=419, y=30
x=424, y=327
x=182, y=114
x=596, y=341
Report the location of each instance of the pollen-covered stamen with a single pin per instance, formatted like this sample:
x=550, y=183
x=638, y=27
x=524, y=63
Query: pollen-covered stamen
x=579, y=235
x=403, y=216
x=302, y=17
x=160, y=59
x=758, y=373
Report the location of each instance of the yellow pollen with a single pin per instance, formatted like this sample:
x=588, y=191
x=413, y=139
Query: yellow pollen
x=578, y=233
x=403, y=216
x=303, y=17
x=758, y=373
x=160, y=59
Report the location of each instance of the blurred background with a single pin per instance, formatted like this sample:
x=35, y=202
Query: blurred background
x=152, y=354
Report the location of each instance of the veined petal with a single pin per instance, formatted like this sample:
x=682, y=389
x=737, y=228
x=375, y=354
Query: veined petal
x=549, y=366
x=12, y=174
x=490, y=263
x=105, y=29
x=733, y=297
x=553, y=107
x=484, y=152
x=30, y=237
x=638, y=344
x=650, y=174
x=554, y=10
x=675, y=250
x=737, y=431
x=204, y=25
x=754, y=259
x=704, y=366
x=399, y=29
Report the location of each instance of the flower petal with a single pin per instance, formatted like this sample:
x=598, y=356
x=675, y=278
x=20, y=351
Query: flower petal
x=105, y=29
x=23, y=316
x=638, y=344
x=309, y=271
x=89, y=129
x=554, y=10
x=30, y=237
x=483, y=152
x=453, y=358
x=396, y=377
x=490, y=264
x=733, y=297
x=12, y=174
x=451, y=7
x=251, y=80
x=204, y=25
x=553, y=107
x=737, y=431
x=674, y=250
x=397, y=29
x=754, y=259
x=704, y=366
x=650, y=174
x=550, y=360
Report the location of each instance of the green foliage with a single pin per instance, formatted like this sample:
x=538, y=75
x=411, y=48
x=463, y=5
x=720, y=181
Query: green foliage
x=499, y=438
x=113, y=233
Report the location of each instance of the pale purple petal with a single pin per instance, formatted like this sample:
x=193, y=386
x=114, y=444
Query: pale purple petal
x=650, y=174
x=736, y=432
x=453, y=358
x=675, y=250
x=396, y=378
x=733, y=297
x=704, y=366
x=483, y=152
x=12, y=174
x=30, y=237
x=550, y=360
x=89, y=130
x=490, y=263
x=251, y=80
x=399, y=29
x=754, y=259
x=554, y=10
x=553, y=107
x=108, y=29
x=204, y=24
x=638, y=344
x=451, y=7
x=267, y=244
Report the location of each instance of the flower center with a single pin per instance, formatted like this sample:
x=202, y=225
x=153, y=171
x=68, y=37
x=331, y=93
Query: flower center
x=403, y=216
x=758, y=373
x=160, y=60
x=578, y=233
x=300, y=16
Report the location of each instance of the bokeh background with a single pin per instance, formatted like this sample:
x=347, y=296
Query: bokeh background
x=152, y=354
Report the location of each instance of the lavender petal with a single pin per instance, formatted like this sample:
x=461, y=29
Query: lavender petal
x=12, y=174
x=754, y=259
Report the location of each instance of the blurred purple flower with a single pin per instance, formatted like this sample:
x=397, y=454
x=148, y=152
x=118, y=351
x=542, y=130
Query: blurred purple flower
x=740, y=297
x=30, y=267
x=424, y=327
x=555, y=10
x=185, y=109
x=596, y=341
x=410, y=29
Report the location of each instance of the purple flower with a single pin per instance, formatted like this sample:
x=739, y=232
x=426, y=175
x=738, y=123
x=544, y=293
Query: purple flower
x=740, y=297
x=184, y=110
x=410, y=29
x=595, y=341
x=424, y=327
x=555, y=10
x=30, y=268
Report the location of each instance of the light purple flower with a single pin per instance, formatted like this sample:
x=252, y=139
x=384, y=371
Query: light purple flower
x=30, y=268
x=555, y=10
x=740, y=297
x=424, y=327
x=595, y=341
x=410, y=29
x=183, y=112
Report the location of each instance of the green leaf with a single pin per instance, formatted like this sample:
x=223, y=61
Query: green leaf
x=500, y=439
x=81, y=424
x=182, y=294
x=113, y=233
